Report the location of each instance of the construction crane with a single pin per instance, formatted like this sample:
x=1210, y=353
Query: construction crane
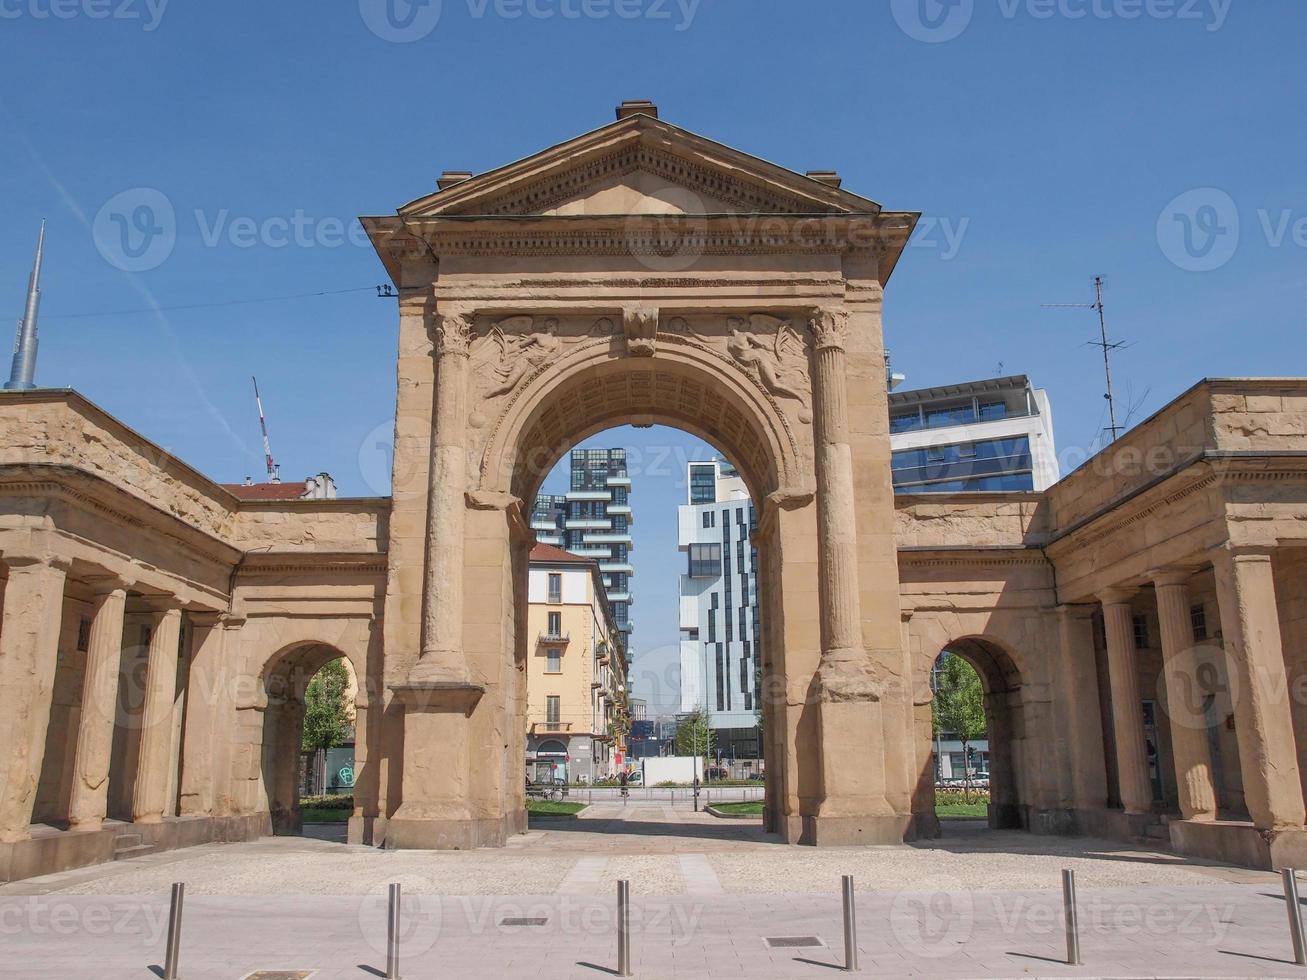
x=267, y=443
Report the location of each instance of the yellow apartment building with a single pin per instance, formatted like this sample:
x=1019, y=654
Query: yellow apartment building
x=577, y=698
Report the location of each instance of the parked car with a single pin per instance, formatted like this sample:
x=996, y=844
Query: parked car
x=636, y=778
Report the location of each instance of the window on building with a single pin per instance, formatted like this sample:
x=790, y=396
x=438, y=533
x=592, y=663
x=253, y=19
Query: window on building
x=553, y=709
x=703, y=484
x=950, y=415
x=555, y=587
x=1198, y=620
x=905, y=421
x=705, y=560
x=555, y=624
x=721, y=679
x=554, y=661
x=709, y=518
x=83, y=636
x=967, y=450
x=992, y=411
x=1141, y=632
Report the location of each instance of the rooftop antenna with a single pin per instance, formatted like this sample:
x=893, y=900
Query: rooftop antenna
x=1106, y=346
x=23, y=372
x=267, y=443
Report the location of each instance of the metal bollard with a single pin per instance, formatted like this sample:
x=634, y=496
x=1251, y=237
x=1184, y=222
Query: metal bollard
x=850, y=927
x=1290, y=877
x=392, y=934
x=623, y=928
x=174, y=931
x=1071, y=918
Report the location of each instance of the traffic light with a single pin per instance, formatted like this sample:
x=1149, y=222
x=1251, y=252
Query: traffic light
x=971, y=756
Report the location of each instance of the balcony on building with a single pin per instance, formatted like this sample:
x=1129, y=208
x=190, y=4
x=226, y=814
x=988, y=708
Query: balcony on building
x=551, y=638
x=610, y=568
x=620, y=597
x=964, y=404
x=588, y=524
x=620, y=510
x=613, y=538
x=551, y=727
x=589, y=496
x=619, y=481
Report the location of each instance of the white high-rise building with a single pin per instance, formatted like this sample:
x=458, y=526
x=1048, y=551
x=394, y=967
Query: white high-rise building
x=721, y=663
x=994, y=435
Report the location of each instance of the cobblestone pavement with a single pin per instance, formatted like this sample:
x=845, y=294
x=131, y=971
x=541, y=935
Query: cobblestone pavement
x=707, y=894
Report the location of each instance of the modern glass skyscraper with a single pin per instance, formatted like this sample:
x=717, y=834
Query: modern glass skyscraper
x=721, y=659
x=593, y=519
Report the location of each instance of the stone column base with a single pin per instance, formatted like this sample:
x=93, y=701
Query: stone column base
x=465, y=834
x=366, y=830
x=924, y=826
x=1056, y=822
x=850, y=831
x=1116, y=825
x=50, y=850
x=1239, y=842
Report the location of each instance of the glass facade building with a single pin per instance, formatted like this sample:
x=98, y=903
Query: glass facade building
x=994, y=435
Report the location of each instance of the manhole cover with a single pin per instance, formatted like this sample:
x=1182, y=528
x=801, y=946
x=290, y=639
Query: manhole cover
x=524, y=922
x=793, y=942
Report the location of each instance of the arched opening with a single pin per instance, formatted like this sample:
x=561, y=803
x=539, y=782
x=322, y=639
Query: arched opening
x=308, y=731
x=991, y=757
x=668, y=523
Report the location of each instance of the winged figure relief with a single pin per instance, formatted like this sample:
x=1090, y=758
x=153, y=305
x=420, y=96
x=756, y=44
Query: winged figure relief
x=513, y=352
x=774, y=352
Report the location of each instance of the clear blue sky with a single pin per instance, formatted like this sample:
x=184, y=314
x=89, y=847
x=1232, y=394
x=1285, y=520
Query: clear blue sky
x=1057, y=146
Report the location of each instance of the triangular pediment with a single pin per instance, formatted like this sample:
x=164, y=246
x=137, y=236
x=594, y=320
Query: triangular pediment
x=639, y=165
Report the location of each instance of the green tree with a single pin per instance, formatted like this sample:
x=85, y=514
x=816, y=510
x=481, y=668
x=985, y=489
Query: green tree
x=694, y=737
x=959, y=705
x=326, y=708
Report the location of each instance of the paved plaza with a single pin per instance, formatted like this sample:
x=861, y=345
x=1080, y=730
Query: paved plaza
x=708, y=894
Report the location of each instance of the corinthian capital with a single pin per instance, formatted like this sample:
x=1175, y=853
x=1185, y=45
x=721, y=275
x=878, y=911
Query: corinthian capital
x=830, y=328
x=453, y=333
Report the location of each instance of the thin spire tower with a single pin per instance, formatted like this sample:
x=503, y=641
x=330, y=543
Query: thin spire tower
x=22, y=373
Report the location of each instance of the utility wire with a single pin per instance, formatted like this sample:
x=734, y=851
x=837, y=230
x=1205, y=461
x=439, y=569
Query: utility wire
x=209, y=306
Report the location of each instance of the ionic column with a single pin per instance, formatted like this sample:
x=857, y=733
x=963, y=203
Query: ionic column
x=443, y=659
x=843, y=659
x=1184, y=700
x=150, y=794
x=90, y=793
x=854, y=806
x=29, y=655
x=1250, y=624
x=1127, y=706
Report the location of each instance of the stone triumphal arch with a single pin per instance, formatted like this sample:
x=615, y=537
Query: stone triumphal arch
x=642, y=274
x=1140, y=627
